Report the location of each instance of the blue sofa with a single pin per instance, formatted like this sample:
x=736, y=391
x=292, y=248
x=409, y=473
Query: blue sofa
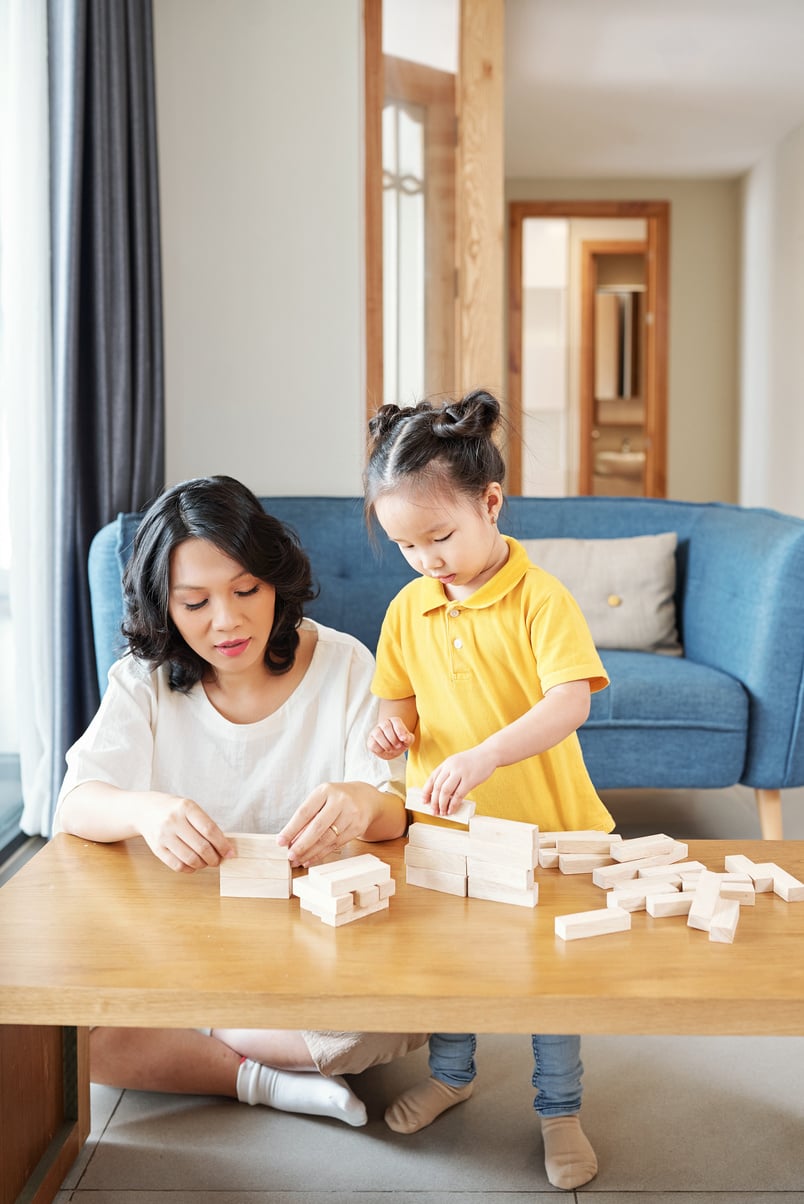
x=728, y=711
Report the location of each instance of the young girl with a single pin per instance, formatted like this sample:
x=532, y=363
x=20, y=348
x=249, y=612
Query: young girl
x=485, y=667
x=232, y=713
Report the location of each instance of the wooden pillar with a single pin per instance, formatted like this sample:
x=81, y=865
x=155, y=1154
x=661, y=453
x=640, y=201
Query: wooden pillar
x=480, y=203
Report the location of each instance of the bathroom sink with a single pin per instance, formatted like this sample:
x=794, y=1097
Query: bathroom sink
x=620, y=463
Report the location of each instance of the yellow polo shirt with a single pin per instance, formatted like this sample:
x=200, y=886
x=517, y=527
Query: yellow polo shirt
x=475, y=666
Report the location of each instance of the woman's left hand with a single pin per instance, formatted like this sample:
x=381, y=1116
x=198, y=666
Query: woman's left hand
x=332, y=815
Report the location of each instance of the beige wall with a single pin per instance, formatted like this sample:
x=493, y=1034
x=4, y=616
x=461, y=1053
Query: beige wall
x=772, y=346
x=703, y=405
x=260, y=149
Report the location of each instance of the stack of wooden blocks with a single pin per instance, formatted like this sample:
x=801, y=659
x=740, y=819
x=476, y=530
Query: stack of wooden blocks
x=260, y=868
x=339, y=892
x=495, y=859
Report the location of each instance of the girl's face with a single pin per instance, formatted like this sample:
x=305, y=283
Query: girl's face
x=450, y=537
x=222, y=612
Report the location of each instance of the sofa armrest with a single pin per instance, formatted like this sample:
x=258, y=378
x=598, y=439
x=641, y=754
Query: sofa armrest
x=743, y=613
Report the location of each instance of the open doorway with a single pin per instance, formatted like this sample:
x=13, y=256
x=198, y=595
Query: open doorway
x=587, y=339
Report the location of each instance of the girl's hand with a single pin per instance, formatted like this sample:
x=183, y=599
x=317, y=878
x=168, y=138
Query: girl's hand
x=390, y=738
x=455, y=778
x=181, y=834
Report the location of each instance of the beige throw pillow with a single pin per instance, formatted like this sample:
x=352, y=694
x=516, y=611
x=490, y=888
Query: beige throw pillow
x=625, y=587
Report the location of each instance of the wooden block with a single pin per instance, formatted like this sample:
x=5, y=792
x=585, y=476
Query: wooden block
x=548, y=858
x=461, y=814
x=508, y=832
x=255, y=888
x=742, y=892
x=787, y=887
x=599, y=922
x=448, y=884
x=518, y=877
x=350, y=874
x=387, y=889
x=496, y=892
x=436, y=836
x=257, y=844
x=724, y=921
x=484, y=850
x=435, y=859
x=704, y=901
x=312, y=898
x=607, y=876
x=632, y=896
x=762, y=876
x=364, y=861
x=641, y=847
x=681, y=868
x=585, y=842
x=256, y=867
x=357, y=913
x=674, y=903
x=736, y=863
x=581, y=863
x=367, y=896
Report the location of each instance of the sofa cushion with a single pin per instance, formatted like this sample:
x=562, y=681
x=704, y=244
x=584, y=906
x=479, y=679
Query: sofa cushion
x=665, y=722
x=625, y=587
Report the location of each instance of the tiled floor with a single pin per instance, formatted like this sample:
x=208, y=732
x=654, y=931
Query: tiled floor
x=674, y=1120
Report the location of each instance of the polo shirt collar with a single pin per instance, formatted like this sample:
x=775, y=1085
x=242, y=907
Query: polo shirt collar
x=503, y=581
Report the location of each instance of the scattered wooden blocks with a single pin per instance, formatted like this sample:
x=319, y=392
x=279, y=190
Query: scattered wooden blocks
x=260, y=869
x=581, y=863
x=599, y=922
x=339, y=892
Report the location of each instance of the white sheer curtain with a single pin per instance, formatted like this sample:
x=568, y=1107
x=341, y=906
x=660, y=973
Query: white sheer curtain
x=25, y=384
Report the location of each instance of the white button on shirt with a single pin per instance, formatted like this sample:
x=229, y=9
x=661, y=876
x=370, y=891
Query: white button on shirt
x=453, y=614
x=458, y=643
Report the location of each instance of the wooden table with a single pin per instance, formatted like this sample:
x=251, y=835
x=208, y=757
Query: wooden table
x=105, y=934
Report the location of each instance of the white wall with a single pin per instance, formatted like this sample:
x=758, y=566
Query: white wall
x=703, y=400
x=772, y=328
x=260, y=152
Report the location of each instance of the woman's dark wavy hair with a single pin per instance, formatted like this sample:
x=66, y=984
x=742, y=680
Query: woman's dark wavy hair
x=432, y=446
x=227, y=514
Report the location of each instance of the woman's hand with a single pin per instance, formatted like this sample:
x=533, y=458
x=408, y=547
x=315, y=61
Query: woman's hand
x=337, y=812
x=181, y=834
x=390, y=738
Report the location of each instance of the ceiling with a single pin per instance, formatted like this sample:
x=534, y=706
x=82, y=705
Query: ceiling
x=669, y=88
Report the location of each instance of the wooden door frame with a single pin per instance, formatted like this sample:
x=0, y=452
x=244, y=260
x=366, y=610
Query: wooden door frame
x=479, y=199
x=657, y=219
x=590, y=250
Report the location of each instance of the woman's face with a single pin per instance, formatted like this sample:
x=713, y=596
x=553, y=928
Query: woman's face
x=223, y=612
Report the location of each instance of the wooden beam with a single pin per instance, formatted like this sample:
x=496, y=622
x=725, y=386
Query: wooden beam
x=480, y=206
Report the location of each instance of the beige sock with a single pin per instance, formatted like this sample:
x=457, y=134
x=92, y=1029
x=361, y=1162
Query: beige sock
x=418, y=1107
x=569, y=1159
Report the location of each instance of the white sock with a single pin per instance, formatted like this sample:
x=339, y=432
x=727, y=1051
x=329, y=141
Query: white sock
x=299, y=1091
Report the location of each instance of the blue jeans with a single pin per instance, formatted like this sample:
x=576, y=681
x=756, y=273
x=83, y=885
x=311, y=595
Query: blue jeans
x=557, y=1068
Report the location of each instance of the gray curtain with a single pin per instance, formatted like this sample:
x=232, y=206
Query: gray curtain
x=107, y=311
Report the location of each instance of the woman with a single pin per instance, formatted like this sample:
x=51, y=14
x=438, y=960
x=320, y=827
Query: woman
x=232, y=712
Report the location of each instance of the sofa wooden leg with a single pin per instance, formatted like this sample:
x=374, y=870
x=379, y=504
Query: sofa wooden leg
x=769, y=805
